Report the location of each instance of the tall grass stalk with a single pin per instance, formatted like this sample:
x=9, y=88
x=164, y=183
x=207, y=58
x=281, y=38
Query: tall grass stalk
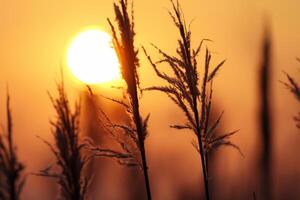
x=127, y=53
x=70, y=161
x=192, y=97
x=265, y=115
x=11, y=169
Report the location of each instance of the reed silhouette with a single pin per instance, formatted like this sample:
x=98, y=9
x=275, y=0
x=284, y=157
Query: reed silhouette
x=184, y=89
x=131, y=137
x=265, y=115
x=70, y=163
x=187, y=79
x=129, y=63
x=11, y=169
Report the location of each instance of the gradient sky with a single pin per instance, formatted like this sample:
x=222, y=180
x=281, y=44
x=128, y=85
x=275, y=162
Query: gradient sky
x=34, y=35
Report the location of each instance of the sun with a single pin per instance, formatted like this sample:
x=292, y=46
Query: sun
x=92, y=59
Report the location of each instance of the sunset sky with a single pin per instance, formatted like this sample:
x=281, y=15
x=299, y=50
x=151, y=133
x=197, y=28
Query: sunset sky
x=34, y=36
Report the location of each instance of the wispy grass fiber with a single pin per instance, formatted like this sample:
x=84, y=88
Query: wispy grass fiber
x=294, y=88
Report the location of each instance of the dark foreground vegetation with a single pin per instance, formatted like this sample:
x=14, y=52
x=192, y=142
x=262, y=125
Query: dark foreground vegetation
x=187, y=84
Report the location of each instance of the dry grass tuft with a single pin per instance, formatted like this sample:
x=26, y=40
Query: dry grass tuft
x=11, y=169
x=184, y=89
x=70, y=162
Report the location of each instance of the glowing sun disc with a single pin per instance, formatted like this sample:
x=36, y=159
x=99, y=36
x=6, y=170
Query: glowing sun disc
x=92, y=59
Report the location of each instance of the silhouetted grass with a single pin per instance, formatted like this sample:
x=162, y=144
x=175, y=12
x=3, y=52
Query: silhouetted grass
x=130, y=137
x=293, y=86
x=185, y=90
x=265, y=116
x=11, y=169
x=70, y=162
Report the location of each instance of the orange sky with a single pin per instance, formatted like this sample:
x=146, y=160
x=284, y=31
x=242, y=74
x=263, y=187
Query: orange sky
x=34, y=35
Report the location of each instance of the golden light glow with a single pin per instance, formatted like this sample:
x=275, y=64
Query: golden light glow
x=92, y=59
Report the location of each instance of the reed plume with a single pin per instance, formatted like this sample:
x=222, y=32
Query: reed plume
x=131, y=137
x=184, y=89
x=294, y=88
x=11, y=169
x=70, y=161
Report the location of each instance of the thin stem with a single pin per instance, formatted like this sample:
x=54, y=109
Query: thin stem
x=204, y=172
x=140, y=131
x=206, y=123
x=145, y=170
x=200, y=125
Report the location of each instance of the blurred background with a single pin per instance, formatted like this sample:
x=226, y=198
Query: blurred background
x=35, y=34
